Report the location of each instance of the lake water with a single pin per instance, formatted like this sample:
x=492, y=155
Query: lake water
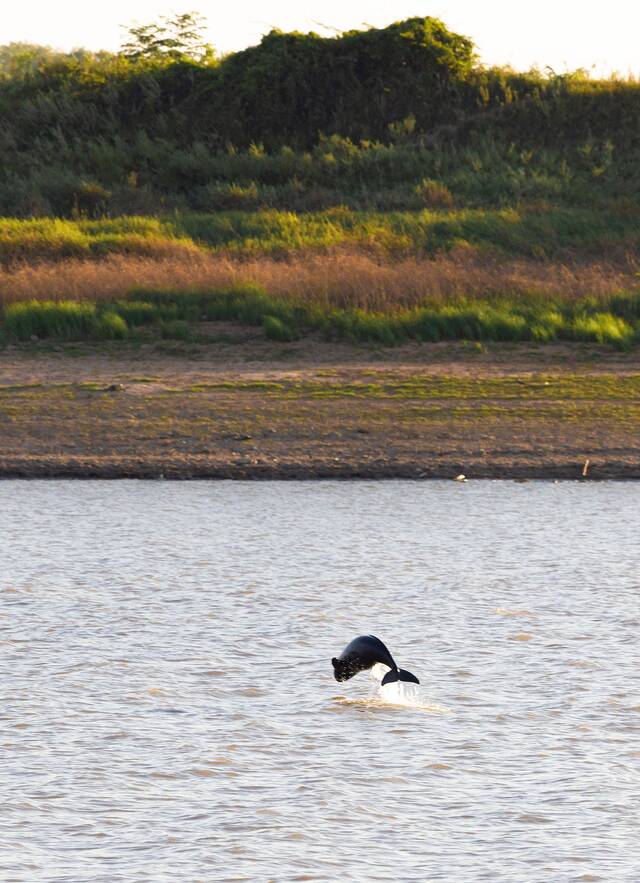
x=168, y=710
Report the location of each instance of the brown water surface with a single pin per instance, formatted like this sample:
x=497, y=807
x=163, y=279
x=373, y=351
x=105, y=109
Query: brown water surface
x=168, y=710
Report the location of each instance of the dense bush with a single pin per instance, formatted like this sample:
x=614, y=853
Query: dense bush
x=398, y=117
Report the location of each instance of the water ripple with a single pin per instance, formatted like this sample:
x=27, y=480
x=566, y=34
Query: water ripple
x=168, y=711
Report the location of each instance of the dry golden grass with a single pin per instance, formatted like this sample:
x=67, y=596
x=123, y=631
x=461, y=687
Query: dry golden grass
x=342, y=279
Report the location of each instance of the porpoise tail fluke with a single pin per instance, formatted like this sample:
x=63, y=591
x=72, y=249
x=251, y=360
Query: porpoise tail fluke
x=399, y=674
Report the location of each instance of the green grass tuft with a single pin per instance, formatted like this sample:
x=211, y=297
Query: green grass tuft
x=603, y=328
x=275, y=329
x=64, y=320
x=111, y=326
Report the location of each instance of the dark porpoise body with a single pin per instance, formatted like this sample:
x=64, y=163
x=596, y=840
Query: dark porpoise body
x=363, y=653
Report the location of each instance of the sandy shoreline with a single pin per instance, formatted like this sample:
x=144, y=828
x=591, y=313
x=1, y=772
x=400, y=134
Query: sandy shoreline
x=257, y=410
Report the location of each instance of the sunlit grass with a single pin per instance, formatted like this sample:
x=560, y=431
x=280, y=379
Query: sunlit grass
x=518, y=232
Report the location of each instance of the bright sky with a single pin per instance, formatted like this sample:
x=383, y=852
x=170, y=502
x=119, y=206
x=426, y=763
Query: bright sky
x=564, y=34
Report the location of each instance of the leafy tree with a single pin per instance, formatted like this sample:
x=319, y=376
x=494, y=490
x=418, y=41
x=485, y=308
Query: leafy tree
x=21, y=60
x=177, y=38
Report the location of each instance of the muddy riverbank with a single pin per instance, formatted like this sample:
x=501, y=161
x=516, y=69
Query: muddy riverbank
x=255, y=409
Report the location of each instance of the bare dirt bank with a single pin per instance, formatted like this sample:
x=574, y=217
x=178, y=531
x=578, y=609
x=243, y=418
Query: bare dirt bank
x=255, y=409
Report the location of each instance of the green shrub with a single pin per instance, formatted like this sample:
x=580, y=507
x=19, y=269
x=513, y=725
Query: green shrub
x=111, y=326
x=433, y=194
x=275, y=329
x=91, y=199
x=546, y=326
x=602, y=328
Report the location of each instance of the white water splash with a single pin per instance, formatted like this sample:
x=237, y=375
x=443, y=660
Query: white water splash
x=401, y=693
x=404, y=693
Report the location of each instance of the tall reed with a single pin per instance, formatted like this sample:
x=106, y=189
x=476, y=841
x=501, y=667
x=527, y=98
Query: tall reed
x=340, y=280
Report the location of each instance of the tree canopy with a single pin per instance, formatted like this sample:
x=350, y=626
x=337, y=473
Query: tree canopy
x=177, y=37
